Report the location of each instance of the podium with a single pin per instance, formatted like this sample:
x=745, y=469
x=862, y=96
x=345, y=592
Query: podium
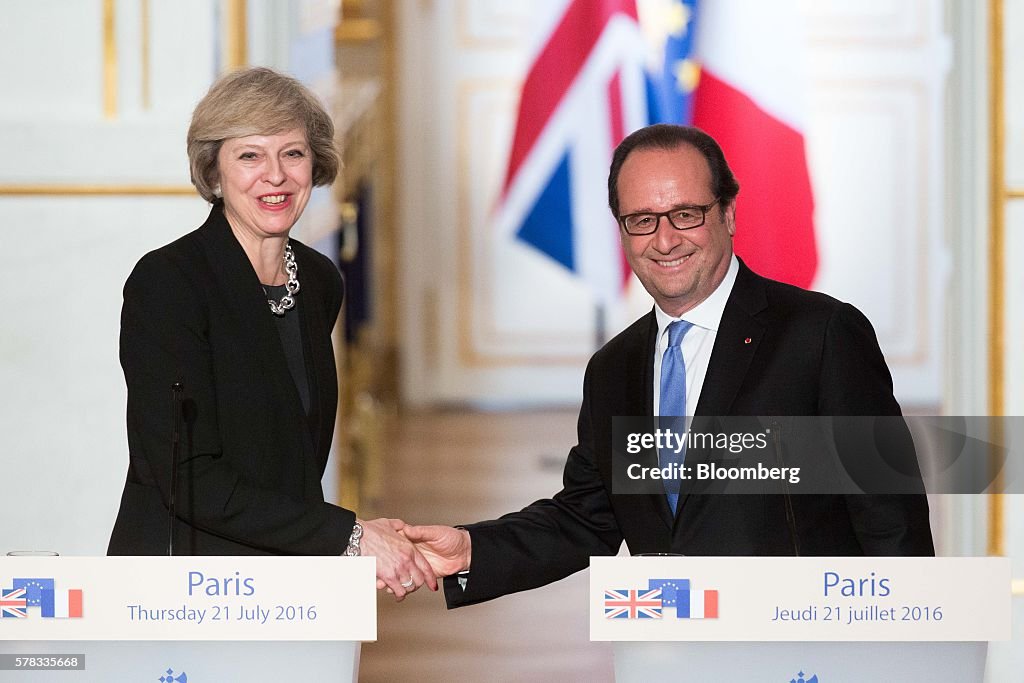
x=175, y=619
x=801, y=620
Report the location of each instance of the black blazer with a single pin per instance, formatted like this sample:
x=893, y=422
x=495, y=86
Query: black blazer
x=808, y=355
x=251, y=461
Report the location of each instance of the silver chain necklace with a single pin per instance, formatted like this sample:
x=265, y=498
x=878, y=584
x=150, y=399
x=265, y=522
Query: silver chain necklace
x=290, y=267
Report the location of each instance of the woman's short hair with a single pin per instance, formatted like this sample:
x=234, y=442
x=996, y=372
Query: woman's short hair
x=257, y=101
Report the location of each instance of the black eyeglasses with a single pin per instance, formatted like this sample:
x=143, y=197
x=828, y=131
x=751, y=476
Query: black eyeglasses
x=680, y=218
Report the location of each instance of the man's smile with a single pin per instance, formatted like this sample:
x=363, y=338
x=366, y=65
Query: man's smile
x=673, y=263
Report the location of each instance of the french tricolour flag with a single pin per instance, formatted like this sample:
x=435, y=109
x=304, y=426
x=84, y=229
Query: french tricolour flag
x=730, y=67
x=697, y=604
x=62, y=604
x=750, y=97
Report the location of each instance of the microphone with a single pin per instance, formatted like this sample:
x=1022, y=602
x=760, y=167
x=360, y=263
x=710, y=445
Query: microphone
x=790, y=516
x=176, y=391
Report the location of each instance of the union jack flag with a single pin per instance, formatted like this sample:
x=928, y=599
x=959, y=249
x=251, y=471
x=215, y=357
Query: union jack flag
x=13, y=603
x=585, y=91
x=632, y=604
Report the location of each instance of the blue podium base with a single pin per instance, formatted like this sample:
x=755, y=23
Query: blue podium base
x=185, y=661
x=809, y=662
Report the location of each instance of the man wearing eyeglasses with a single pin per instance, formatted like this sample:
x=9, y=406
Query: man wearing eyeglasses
x=721, y=341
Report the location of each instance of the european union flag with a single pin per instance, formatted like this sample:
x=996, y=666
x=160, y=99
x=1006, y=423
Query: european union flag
x=670, y=95
x=34, y=590
x=670, y=589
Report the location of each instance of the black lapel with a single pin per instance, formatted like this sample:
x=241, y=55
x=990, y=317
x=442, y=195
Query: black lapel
x=735, y=344
x=737, y=340
x=247, y=302
x=312, y=318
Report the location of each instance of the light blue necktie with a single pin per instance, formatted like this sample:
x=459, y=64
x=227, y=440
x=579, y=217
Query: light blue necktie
x=673, y=402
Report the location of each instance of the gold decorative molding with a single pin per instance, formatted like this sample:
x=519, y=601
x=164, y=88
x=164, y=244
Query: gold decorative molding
x=109, y=60
x=365, y=112
x=358, y=30
x=1015, y=193
x=236, y=35
x=87, y=190
x=996, y=243
x=1017, y=587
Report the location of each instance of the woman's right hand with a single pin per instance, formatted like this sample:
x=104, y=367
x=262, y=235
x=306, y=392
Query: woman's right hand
x=400, y=566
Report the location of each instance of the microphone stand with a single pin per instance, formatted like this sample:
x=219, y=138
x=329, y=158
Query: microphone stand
x=790, y=516
x=176, y=391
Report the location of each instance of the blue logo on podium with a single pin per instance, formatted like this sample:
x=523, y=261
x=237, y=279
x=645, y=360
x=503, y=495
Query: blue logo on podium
x=169, y=677
x=800, y=679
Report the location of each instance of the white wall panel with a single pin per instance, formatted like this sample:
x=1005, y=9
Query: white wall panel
x=1013, y=312
x=52, y=56
x=56, y=127
x=857, y=22
x=62, y=417
x=183, y=55
x=878, y=160
x=1013, y=41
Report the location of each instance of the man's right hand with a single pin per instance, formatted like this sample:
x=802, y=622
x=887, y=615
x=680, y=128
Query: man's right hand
x=400, y=567
x=447, y=549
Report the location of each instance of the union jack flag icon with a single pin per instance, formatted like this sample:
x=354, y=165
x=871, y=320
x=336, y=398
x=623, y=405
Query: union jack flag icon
x=13, y=603
x=632, y=604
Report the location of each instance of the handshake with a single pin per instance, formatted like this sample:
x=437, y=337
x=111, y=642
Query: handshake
x=411, y=556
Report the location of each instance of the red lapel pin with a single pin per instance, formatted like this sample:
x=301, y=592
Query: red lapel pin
x=747, y=340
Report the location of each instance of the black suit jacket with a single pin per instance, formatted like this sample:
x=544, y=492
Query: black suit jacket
x=808, y=354
x=251, y=461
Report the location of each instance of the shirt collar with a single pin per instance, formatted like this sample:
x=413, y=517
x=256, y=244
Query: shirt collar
x=708, y=313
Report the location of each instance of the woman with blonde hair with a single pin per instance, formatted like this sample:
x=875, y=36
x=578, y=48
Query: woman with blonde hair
x=239, y=316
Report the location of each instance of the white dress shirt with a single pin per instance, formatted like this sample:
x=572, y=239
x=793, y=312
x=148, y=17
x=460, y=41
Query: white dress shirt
x=698, y=341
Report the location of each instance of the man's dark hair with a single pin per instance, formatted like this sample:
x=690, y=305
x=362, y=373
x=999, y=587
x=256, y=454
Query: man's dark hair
x=668, y=137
